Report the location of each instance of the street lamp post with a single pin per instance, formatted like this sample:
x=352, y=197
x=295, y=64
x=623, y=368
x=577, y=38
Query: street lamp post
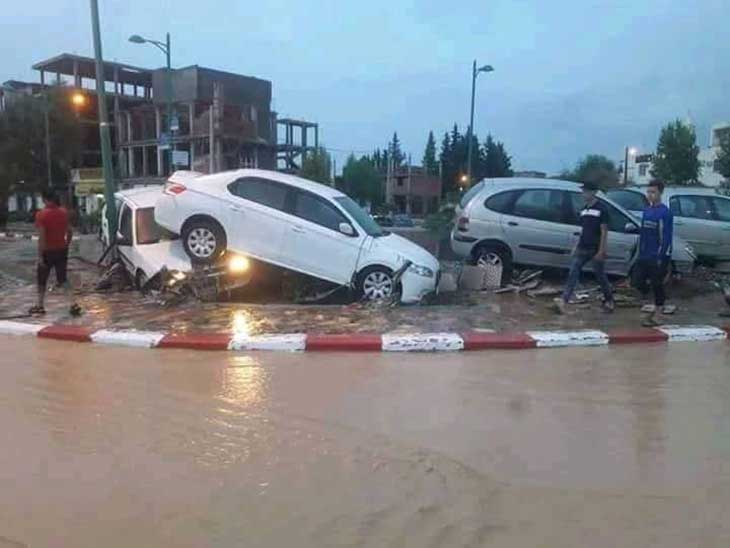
x=474, y=73
x=632, y=152
x=165, y=48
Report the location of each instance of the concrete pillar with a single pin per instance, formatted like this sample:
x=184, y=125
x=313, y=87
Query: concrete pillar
x=158, y=134
x=130, y=135
x=43, y=78
x=77, y=78
x=145, y=167
x=130, y=161
x=191, y=112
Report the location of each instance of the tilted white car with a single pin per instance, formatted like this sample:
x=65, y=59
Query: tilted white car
x=296, y=224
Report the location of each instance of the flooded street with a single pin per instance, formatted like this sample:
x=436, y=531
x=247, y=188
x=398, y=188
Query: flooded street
x=600, y=447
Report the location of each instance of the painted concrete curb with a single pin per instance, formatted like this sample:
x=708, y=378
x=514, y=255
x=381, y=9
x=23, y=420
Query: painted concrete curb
x=369, y=342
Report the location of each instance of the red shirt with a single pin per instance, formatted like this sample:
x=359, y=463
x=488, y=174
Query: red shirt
x=55, y=221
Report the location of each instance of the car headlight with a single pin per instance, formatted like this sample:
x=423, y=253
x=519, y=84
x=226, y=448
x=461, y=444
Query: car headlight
x=177, y=275
x=421, y=270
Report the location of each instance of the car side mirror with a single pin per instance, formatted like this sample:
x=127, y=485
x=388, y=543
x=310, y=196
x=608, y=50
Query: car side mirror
x=121, y=240
x=631, y=228
x=346, y=229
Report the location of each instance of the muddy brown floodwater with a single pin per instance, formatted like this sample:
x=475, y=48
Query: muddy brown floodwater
x=599, y=447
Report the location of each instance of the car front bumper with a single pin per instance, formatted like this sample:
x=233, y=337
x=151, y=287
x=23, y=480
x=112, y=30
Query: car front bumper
x=415, y=287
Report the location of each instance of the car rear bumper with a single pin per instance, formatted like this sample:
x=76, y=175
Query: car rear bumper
x=461, y=244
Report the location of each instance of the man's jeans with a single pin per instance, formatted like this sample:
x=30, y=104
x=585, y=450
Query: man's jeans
x=581, y=257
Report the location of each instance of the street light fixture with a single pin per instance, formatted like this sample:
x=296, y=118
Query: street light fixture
x=164, y=47
x=78, y=100
x=474, y=73
x=628, y=151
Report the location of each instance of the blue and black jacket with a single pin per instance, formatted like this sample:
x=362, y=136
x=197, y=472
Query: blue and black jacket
x=657, y=230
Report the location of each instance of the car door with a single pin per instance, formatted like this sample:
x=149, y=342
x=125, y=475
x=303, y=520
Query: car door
x=722, y=214
x=621, y=244
x=314, y=243
x=536, y=230
x=694, y=221
x=256, y=221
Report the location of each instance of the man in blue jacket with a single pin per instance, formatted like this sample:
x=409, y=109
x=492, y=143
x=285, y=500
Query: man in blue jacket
x=655, y=250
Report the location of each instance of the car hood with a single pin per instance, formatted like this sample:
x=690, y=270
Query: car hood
x=404, y=248
x=169, y=254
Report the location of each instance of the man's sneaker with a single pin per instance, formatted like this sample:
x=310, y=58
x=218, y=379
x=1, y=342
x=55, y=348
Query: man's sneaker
x=648, y=308
x=669, y=309
x=608, y=306
x=75, y=310
x=558, y=305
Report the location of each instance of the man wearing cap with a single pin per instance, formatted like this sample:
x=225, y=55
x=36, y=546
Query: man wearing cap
x=591, y=248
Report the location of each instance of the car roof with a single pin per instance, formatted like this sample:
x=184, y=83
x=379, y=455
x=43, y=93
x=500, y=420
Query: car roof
x=516, y=183
x=140, y=196
x=673, y=190
x=225, y=177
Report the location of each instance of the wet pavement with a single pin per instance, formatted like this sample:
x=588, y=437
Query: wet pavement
x=698, y=303
x=599, y=447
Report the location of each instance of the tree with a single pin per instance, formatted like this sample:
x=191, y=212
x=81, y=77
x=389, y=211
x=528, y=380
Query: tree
x=595, y=169
x=496, y=161
x=676, y=161
x=317, y=166
x=723, y=157
x=362, y=180
x=396, y=154
x=430, y=163
x=23, y=144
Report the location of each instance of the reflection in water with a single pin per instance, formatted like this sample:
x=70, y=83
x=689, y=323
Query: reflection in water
x=241, y=323
x=243, y=382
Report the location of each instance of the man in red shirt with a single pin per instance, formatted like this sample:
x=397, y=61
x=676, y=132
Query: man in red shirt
x=54, y=238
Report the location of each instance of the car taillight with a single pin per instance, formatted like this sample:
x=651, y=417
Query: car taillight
x=174, y=189
x=462, y=225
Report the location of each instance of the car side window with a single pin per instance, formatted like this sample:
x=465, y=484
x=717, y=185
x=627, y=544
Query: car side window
x=617, y=221
x=125, y=223
x=316, y=210
x=502, y=202
x=540, y=204
x=261, y=191
x=695, y=207
x=674, y=207
x=722, y=209
x=632, y=201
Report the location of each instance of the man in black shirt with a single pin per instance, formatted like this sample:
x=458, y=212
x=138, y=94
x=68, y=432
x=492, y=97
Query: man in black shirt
x=591, y=247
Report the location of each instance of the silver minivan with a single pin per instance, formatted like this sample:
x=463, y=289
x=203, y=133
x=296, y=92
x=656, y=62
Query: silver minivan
x=701, y=216
x=536, y=222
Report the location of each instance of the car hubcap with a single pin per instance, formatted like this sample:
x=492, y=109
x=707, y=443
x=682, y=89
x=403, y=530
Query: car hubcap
x=489, y=259
x=377, y=285
x=201, y=242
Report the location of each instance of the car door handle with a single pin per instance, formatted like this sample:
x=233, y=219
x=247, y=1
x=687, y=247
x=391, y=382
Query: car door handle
x=512, y=223
x=576, y=233
x=236, y=208
x=297, y=229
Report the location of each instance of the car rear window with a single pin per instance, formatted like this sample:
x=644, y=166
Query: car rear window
x=473, y=191
x=540, y=204
x=148, y=231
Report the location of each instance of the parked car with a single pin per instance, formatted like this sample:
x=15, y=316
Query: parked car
x=383, y=220
x=144, y=247
x=296, y=224
x=701, y=216
x=536, y=222
x=403, y=221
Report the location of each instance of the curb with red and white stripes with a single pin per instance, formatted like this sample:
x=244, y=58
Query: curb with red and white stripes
x=17, y=236
x=364, y=342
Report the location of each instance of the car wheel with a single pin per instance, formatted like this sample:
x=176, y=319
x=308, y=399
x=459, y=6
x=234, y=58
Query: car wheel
x=376, y=283
x=204, y=240
x=495, y=255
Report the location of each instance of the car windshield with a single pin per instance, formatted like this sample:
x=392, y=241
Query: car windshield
x=466, y=198
x=148, y=231
x=361, y=217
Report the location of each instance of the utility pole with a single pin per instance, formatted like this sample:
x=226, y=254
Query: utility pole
x=47, y=119
x=106, y=144
x=474, y=73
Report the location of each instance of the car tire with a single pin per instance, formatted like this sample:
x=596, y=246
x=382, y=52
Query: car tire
x=204, y=240
x=376, y=283
x=495, y=254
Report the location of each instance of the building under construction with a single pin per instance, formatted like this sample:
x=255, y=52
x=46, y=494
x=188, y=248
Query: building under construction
x=219, y=121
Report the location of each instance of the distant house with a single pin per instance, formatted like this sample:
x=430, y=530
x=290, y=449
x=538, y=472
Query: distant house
x=410, y=190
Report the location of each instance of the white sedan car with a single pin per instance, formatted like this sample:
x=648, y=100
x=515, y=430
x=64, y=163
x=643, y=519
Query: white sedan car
x=296, y=224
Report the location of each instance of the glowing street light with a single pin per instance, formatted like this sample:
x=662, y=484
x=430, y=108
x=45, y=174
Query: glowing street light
x=78, y=100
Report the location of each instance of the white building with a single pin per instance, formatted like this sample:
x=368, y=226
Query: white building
x=639, y=165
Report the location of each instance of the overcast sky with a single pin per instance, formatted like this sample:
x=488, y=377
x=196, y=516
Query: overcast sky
x=571, y=76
